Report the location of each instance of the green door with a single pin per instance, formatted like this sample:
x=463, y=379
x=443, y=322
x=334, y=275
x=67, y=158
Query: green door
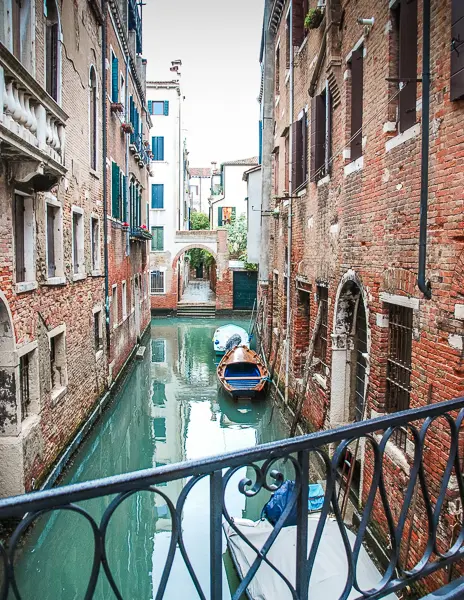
x=245, y=289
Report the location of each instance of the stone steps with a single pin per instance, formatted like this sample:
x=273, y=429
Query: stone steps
x=196, y=311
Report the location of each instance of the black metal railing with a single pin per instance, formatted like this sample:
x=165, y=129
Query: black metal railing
x=434, y=477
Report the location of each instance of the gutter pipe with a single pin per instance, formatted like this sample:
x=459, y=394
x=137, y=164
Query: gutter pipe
x=422, y=283
x=126, y=102
x=105, y=174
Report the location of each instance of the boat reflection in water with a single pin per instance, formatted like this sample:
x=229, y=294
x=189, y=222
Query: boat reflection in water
x=242, y=412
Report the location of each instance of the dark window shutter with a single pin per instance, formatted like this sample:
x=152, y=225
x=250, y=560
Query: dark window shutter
x=318, y=136
x=161, y=238
x=115, y=190
x=408, y=63
x=304, y=148
x=166, y=108
x=150, y=107
x=219, y=216
x=161, y=148
x=124, y=198
x=327, y=112
x=457, y=49
x=51, y=241
x=298, y=22
x=356, y=102
x=297, y=151
x=19, y=239
x=51, y=60
x=114, y=79
x=313, y=138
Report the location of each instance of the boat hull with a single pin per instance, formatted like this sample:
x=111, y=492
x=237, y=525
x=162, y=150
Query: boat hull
x=242, y=374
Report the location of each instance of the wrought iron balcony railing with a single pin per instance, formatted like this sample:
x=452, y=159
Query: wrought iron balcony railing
x=139, y=233
x=435, y=475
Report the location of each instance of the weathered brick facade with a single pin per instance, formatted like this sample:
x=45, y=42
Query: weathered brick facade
x=355, y=230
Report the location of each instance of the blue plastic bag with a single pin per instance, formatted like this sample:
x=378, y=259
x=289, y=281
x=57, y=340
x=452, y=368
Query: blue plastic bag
x=281, y=497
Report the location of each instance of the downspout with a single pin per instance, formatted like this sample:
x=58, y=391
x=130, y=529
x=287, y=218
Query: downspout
x=105, y=174
x=181, y=164
x=289, y=220
x=423, y=284
x=126, y=102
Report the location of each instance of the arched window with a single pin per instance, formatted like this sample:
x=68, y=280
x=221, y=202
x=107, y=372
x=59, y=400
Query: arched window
x=52, y=50
x=93, y=118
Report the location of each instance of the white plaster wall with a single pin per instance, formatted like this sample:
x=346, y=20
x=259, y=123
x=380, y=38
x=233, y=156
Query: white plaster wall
x=254, y=216
x=235, y=191
x=200, y=200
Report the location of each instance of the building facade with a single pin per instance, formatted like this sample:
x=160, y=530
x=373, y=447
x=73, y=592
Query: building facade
x=347, y=305
x=200, y=188
x=57, y=349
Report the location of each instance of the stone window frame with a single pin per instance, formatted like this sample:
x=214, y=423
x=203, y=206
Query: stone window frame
x=34, y=379
x=58, y=334
x=97, y=263
x=27, y=16
x=124, y=299
x=114, y=305
x=98, y=309
x=59, y=57
x=357, y=164
x=30, y=244
x=163, y=271
x=59, y=278
x=80, y=234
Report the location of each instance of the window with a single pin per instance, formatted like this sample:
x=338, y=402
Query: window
x=24, y=238
x=300, y=10
x=301, y=324
x=158, y=396
x=157, y=195
x=320, y=349
x=54, y=241
x=118, y=193
x=356, y=103
x=287, y=179
x=52, y=50
x=194, y=190
x=98, y=330
x=457, y=50
x=78, y=242
x=405, y=40
x=114, y=78
x=114, y=306
x=277, y=71
x=275, y=301
x=226, y=214
x=132, y=286
x=122, y=88
x=399, y=363
x=16, y=27
x=157, y=282
x=95, y=243
x=157, y=147
x=58, y=375
x=135, y=197
x=158, y=107
x=299, y=151
x=288, y=44
x=29, y=380
x=93, y=104
x=158, y=351
x=321, y=134
x=159, y=427
x=157, y=241
x=124, y=300
x=276, y=172
x=24, y=378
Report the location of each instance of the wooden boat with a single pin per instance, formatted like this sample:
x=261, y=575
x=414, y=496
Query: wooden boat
x=242, y=373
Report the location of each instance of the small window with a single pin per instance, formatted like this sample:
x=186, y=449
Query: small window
x=299, y=152
x=276, y=172
x=321, y=134
x=54, y=241
x=320, y=349
x=158, y=396
x=132, y=285
x=288, y=43
x=157, y=108
x=226, y=215
x=157, y=147
x=399, y=363
x=157, y=195
x=52, y=49
x=93, y=112
x=117, y=192
x=356, y=103
x=299, y=11
x=78, y=243
x=287, y=155
x=124, y=300
x=157, y=241
x=114, y=305
x=114, y=78
x=24, y=238
x=157, y=282
x=29, y=384
x=122, y=87
x=159, y=427
x=277, y=71
x=158, y=351
x=95, y=242
x=98, y=330
x=58, y=375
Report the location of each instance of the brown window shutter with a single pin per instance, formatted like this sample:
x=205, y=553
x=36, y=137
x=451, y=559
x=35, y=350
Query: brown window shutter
x=457, y=49
x=16, y=28
x=356, y=102
x=313, y=139
x=295, y=156
x=408, y=63
x=326, y=109
x=19, y=239
x=304, y=148
x=298, y=17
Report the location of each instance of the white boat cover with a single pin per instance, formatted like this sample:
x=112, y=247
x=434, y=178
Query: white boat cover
x=223, y=334
x=330, y=569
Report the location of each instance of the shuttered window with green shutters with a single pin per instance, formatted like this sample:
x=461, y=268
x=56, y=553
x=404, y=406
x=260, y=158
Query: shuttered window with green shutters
x=157, y=147
x=150, y=107
x=124, y=198
x=166, y=108
x=114, y=79
x=157, y=195
x=115, y=191
x=219, y=216
x=157, y=242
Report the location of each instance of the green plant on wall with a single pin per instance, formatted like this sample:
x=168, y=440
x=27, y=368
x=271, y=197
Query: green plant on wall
x=197, y=256
x=313, y=19
x=198, y=221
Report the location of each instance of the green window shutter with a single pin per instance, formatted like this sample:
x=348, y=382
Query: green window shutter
x=219, y=216
x=150, y=107
x=160, y=238
x=157, y=147
x=153, y=238
x=234, y=212
x=114, y=79
x=115, y=190
x=124, y=198
x=157, y=195
x=166, y=108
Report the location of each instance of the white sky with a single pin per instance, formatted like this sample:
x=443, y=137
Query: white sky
x=218, y=43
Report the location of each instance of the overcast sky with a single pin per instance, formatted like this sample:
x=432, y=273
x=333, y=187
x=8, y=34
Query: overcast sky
x=218, y=42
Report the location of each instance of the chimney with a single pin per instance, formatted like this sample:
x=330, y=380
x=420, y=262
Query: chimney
x=213, y=167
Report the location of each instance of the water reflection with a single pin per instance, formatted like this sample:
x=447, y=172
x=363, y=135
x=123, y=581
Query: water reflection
x=168, y=410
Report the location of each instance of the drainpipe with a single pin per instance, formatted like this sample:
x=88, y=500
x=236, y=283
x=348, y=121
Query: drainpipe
x=181, y=164
x=104, y=6
x=126, y=102
x=289, y=220
x=423, y=284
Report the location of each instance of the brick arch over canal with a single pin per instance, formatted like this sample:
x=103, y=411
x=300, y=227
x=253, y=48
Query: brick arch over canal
x=214, y=242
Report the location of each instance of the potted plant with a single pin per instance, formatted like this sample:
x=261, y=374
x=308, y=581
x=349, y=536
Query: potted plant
x=314, y=18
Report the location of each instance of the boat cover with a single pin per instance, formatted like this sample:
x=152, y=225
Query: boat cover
x=223, y=334
x=330, y=568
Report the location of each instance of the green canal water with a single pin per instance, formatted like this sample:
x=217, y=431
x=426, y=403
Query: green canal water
x=168, y=410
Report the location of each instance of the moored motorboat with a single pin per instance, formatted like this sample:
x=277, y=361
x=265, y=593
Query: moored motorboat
x=229, y=332
x=242, y=373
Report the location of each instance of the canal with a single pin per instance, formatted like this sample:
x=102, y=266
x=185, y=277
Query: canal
x=168, y=410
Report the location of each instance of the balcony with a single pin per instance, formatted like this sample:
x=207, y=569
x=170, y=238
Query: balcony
x=139, y=233
x=140, y=150
x=432, y=485
x=32, y=126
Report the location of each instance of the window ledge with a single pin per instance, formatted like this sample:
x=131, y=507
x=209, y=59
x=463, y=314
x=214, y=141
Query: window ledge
x=98, y=355
x=157, y=293
x=55, y=281
x=57, y=394
x=301, y=190
x=96, y=273
x=26, y=286
x=401, y=138
x=322, y=381
x=79, y=276
x=354, y=166
x=323, y=181
x=158, y=209
x=94, y=173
